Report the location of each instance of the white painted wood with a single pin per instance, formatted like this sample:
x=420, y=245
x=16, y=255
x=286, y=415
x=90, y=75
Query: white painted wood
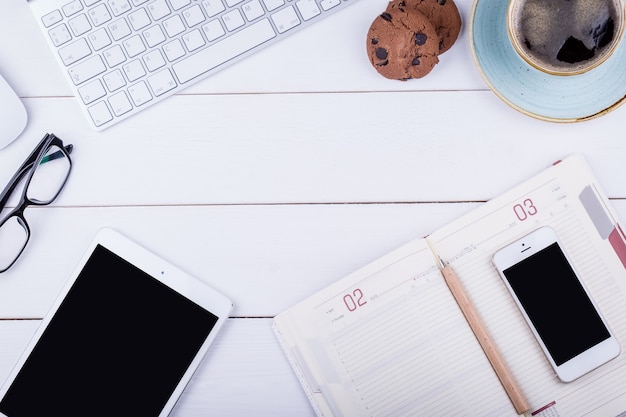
x=265, y=258
x=397, y=147
x=254, y=180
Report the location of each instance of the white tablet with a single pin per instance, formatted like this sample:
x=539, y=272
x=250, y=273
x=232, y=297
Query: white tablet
x=123, y=338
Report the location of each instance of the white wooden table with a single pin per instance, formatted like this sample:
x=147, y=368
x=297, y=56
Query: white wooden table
x=273, y=179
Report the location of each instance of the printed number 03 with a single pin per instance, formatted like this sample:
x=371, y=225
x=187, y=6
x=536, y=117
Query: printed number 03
x=354, y=300
x=525, y=209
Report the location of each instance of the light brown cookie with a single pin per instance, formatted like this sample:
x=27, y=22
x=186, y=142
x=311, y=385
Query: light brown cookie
x=443, y=14
x=402, y=44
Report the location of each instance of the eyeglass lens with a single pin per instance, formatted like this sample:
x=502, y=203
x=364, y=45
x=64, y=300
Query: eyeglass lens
x=45, y=184
x=13, y=237
x=49, y=176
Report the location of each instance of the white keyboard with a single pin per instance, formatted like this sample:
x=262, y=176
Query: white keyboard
x=122, y=56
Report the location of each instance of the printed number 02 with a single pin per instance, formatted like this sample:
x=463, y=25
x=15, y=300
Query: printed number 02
x=525, y=209
x=354, y=300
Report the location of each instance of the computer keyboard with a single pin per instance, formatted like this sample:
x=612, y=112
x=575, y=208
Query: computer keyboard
x=122, y=56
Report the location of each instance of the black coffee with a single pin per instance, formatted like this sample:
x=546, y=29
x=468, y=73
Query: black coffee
x=566, y=35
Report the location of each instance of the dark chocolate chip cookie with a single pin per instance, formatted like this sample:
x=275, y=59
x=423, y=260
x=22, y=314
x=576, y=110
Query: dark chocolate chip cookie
x=443, y=14
x=402, y=44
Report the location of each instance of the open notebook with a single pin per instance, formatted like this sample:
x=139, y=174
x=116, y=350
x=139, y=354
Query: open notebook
x=390, y=340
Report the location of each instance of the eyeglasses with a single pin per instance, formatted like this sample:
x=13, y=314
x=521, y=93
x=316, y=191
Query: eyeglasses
x=43, y=175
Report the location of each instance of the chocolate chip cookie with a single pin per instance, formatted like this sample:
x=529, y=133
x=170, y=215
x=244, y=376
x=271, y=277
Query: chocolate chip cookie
x=402, y=44
x=443, y=14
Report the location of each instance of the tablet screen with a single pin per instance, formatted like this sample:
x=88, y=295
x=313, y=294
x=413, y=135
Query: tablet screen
x=118, y=344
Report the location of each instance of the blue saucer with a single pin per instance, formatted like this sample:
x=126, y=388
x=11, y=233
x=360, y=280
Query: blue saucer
x=549, y=97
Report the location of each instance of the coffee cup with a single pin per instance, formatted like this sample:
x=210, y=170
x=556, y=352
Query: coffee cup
x=565, y=37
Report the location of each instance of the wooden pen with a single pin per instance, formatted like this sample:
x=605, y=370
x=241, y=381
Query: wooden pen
x=480, y=331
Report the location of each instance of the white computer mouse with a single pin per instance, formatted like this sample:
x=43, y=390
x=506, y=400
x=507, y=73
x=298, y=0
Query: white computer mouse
x=12, y=114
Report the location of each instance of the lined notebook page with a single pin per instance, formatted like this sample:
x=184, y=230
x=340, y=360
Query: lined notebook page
x=558, y=198
x=390, y=340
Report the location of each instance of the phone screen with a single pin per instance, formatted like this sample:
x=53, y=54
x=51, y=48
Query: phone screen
x=556, y=303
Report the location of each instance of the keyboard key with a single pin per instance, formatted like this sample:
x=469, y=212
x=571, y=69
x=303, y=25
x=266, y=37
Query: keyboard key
x=74, y=51
x=60, y=35
x=232, y=3
x=99, y=39
x=253, y=10
x=52, y=18
x=329, y=4
x=71, y=8
x=213, y=30
x=99, y=15
x=193, y=16
x=273, y=4
x=193, y=40
x=133, y=46
x=154, y=36
x=114, y=80
x=154, y=60
x=174, y=50
x=140, y=94
x=119, y=29
x=161, y=82
x=120, y=104
x=134, y=70
x=139, y=19
x=174, y=26
x=114, y=56
x=100, y=114
x=233, y=20
x=158, y=9
x=92, y=91
x=224, y=50
x=119, y=7
x=87, y=69
x=80, y=25
x=285, y=19
x=308, y=9
x=179, y=4
x=213, y=7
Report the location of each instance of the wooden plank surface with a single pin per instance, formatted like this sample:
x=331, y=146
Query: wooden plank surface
x=375, y=147
x=273, y=179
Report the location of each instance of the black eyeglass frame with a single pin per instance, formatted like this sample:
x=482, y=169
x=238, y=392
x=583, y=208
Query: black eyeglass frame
x=27, y=169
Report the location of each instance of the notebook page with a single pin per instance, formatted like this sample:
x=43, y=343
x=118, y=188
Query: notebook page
x=566, y=198
x=389, y=340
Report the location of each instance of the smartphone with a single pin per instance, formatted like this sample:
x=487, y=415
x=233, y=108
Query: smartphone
x=557, y=306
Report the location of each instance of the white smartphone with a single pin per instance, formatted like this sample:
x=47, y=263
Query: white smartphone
x=556, y=304
x=124, y=338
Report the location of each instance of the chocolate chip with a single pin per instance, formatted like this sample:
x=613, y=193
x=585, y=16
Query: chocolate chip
x=420, y=38
x=386, y=16
x=415, y=62
x=374, y=41
x=442, y=2
x=381, y=53
x=382, y=64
